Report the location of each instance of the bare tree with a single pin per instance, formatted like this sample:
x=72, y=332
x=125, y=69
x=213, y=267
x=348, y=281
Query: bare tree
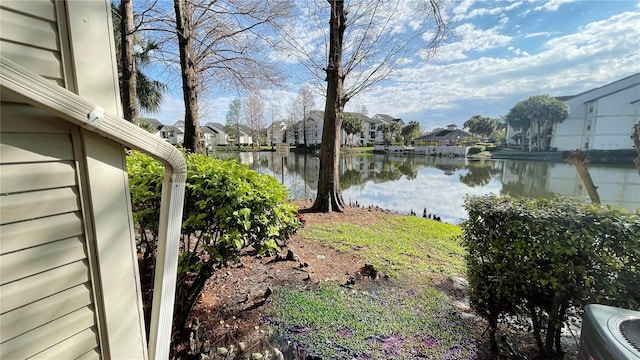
x=275, y=136
x=222, y=44
x=362, y=51
x=305, y=103
x=253, y=107
x=184, y=32
x=234, y=120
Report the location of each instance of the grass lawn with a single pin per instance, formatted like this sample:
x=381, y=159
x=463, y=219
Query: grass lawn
x=397, y=245
x=402, y=318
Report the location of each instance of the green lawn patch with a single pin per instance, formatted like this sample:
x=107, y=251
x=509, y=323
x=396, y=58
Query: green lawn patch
x=398, y=244
x=334, y=322
x=390, y=320
x=357, y=149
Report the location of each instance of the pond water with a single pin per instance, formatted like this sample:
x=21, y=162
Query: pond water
x=440, y=184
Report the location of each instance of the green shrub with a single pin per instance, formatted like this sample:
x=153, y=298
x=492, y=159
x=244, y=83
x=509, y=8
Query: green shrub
x=475, y=149
x=541, y=257
x=227, y=207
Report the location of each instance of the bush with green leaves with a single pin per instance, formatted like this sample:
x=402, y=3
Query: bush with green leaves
x=227, y=208
x=476, y=149
x=539, y=258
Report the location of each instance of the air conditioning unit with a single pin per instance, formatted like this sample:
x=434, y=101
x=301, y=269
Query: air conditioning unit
x=609, y=333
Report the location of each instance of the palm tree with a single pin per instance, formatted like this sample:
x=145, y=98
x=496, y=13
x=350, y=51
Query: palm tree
x=149, y=91
x=540, y=110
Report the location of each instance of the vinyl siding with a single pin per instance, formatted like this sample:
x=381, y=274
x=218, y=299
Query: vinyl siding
x=46, y=290
x=29, y=35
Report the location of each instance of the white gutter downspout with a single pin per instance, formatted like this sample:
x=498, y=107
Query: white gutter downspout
x=34, y=90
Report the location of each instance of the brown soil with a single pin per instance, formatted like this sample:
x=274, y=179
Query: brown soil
x=230, y=311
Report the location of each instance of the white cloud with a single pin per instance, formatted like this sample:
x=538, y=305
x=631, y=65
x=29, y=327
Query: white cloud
x=552, y=5
x=471, y=39
x=532, y=35
x=518, y=51
x=463, y=7
x=463, y=13
x=596, y=54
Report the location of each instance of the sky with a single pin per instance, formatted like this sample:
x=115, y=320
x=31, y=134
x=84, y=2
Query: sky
x=499, y=52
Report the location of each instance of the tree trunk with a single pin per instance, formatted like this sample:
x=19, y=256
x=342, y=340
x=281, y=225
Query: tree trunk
x=304, y=132
x=530, y=136
x=189, y=78
x=635, y=136
x=128, y=62
x=538, y=139
x=238, y=135
x=329, y=197
x=580, y=160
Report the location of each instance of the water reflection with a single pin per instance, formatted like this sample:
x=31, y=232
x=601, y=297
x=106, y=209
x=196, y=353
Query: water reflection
x=405, y=183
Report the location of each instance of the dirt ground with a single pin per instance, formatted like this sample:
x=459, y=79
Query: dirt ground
x=230, y=311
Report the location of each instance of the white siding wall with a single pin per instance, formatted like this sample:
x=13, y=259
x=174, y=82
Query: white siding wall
x=46, y=292
x=615, y=120
x=601, y=118
x=29, y=36
x=69, y=282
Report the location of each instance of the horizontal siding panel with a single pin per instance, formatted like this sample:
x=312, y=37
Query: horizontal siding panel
x=39, y=286
x=21, y=148
x=45, y=63
x=29, y=119
x=30, y=205
x=90, y=355
x=31, y=316
x=44, y=337
x=29, y=31
x=35, y=176
x=40, y=258
x=79, y=346
x=43, y=9
x=40, y=231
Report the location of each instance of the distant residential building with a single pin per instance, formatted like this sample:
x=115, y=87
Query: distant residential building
x=366, y=136
x=376, y=136
x=312, y=126
x=245, y=135
x=170, y=133
x=276, y=133
x=451, y=136
x=214, y=134
x=207, y=138
x=600, y=118
x=307, y=131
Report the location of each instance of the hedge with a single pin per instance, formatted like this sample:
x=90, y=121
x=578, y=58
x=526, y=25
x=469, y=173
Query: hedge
x=227, y=208
x=476, y=149
x=539, y=258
